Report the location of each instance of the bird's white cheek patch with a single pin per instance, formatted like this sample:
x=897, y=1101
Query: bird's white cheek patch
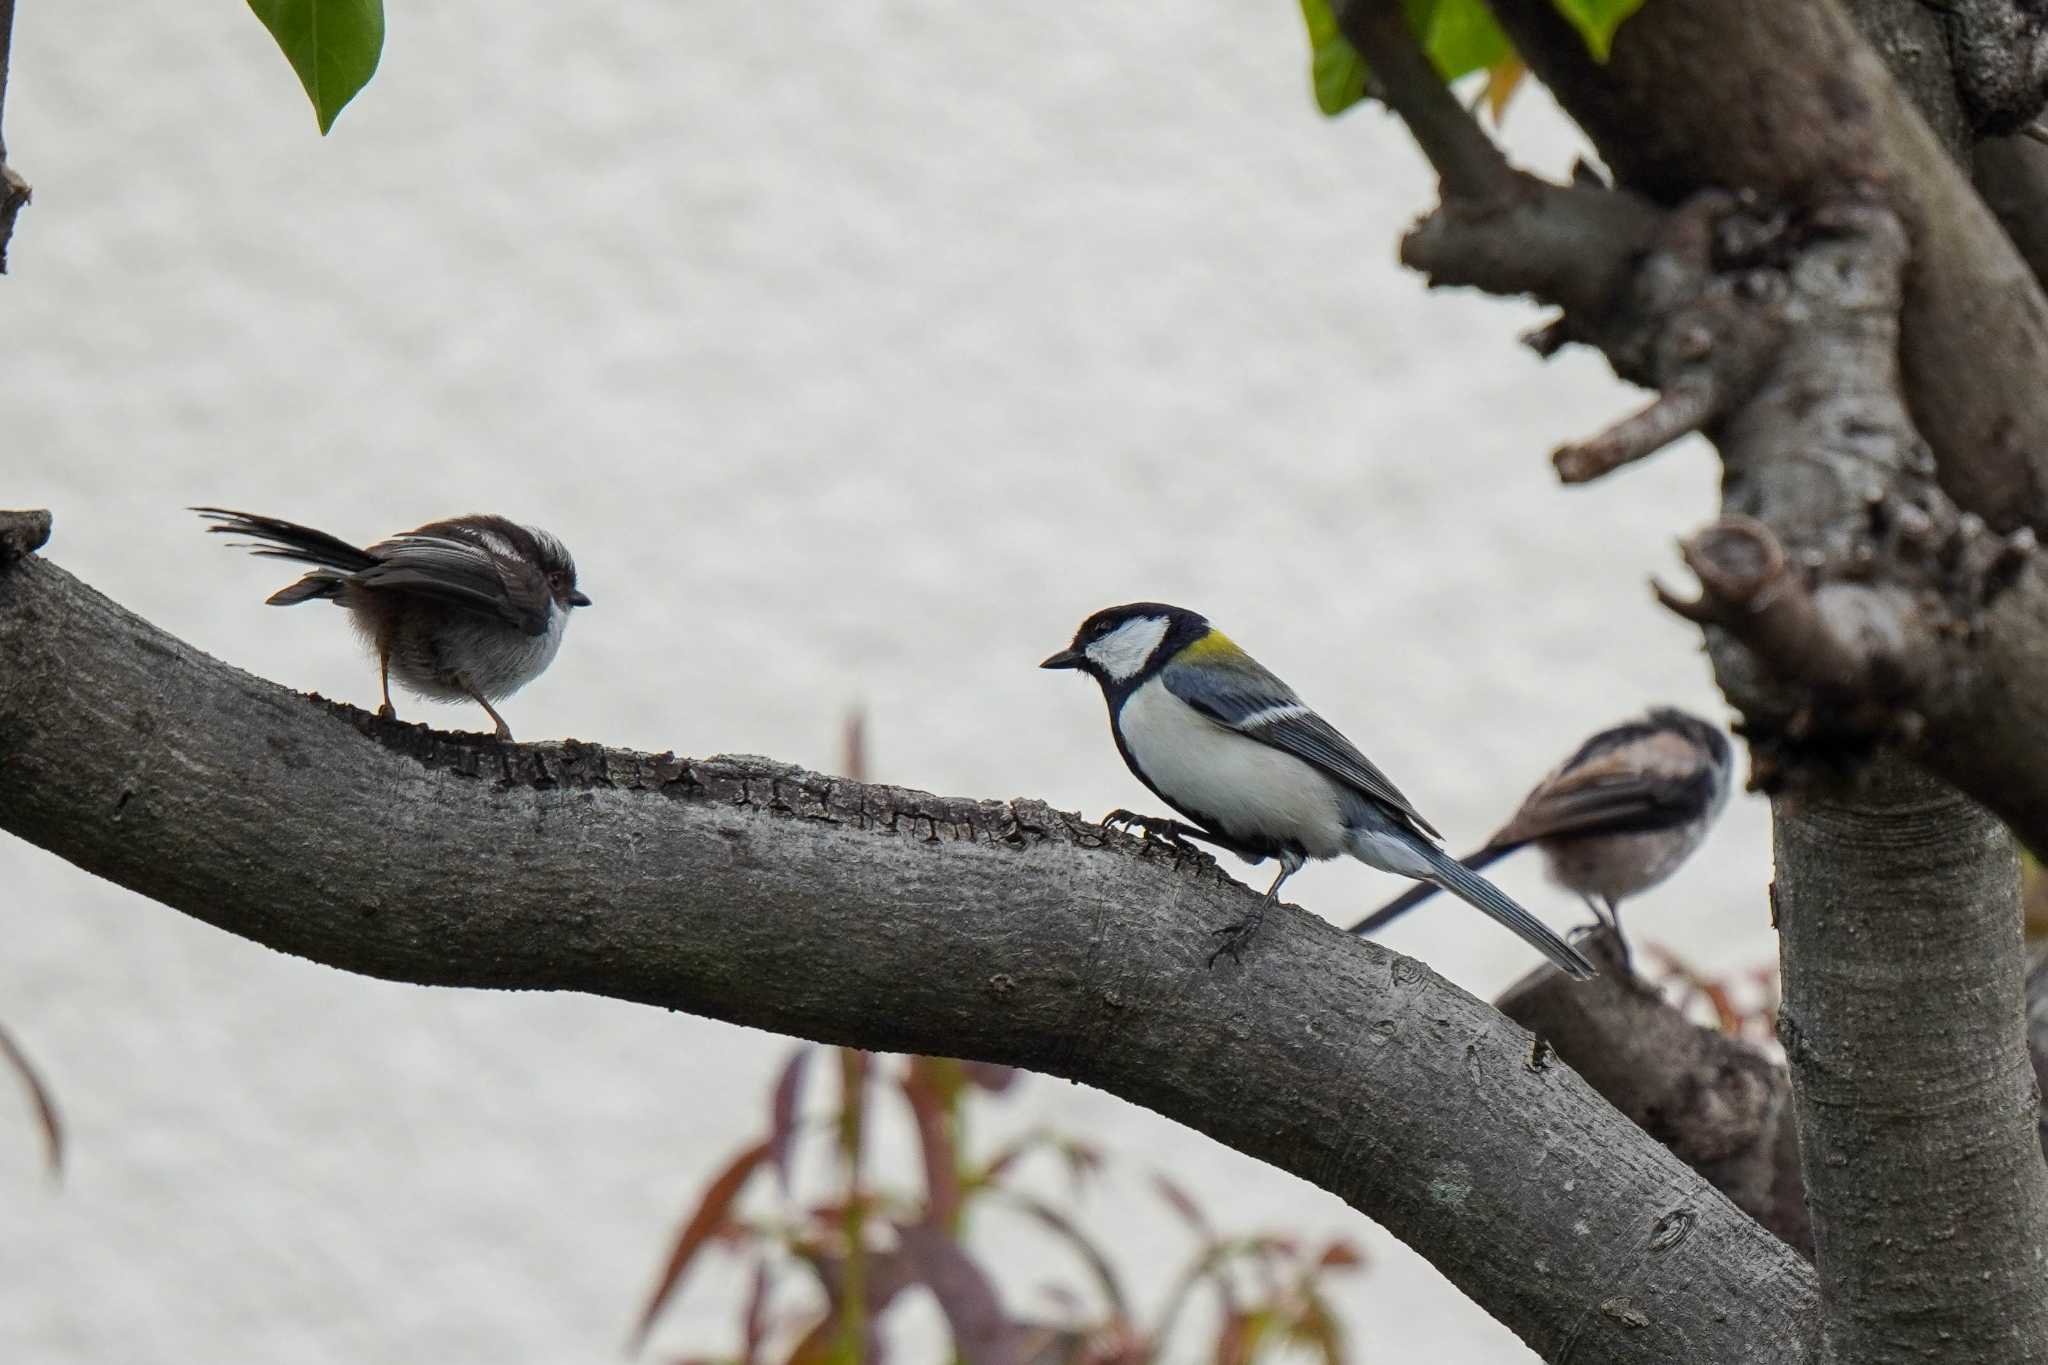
x=1123, y=651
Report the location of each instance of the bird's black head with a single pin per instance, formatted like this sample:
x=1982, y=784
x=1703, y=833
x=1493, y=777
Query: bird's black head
x=1123, y=646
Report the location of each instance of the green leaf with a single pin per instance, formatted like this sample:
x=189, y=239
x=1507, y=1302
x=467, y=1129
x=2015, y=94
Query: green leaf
x=1596, y=21
x=1335, y=67
x=1460, y=36
x=332, y=44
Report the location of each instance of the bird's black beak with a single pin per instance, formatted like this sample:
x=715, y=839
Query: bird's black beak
x=577, y=599
x=1066, y=658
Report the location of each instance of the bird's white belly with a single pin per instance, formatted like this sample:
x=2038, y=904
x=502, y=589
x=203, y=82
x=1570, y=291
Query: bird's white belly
x=498, y=659
x=1249, y=789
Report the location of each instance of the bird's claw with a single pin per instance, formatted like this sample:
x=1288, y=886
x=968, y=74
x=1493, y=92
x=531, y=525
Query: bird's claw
x=1151, y=826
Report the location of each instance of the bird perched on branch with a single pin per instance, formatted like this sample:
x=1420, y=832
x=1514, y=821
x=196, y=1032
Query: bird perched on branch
x=471, y=608
x=1615, y=818
x=1233, y=749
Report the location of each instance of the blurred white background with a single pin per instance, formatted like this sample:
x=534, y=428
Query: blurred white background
x=857, y=353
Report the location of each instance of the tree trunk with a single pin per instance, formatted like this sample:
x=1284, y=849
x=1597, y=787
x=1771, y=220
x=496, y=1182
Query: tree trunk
x=1904, y=1021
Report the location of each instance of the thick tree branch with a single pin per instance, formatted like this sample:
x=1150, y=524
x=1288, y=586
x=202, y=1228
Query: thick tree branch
x=1577, y=246
x=747, y=891
x=1815, y=113
x=14, y=193
x=1719, y=1104
x=1894, y=616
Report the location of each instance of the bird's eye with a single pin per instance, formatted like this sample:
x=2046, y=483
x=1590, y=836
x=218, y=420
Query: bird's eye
x=1098, y=630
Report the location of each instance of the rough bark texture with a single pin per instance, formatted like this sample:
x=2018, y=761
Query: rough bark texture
x=745, y=890
x=1720, y=1105
x=1904, y=1019
x=1796, y=108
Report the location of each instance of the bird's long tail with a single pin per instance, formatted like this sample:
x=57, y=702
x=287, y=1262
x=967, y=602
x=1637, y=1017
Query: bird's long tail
x=1482, y=894
x=1422, y=891
x=289, y=540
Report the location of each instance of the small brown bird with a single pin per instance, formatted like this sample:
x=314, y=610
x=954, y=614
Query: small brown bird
x=472, y=608
x=1615, y=818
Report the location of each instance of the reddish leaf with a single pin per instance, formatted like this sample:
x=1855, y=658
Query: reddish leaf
x=935, y=1145
x=709, y=1219
x=1083, y=1160
x=884, y=1276
x=1062, y=1297
x=1235, y=1339
x=39, y=1095
x=1316, y=1326
x=1097, y=1261
x=1184, y=1205
x=982, y=1331
x=1340, y=1254
x=815, y=1346
x=782, y=1112
x=1007, y=1155
x=754, y=1325
x=988, y=1076
x=1209, y=1264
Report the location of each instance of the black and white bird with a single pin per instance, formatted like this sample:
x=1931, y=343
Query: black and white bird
x=1234, y=750
x=1615, y=818
x=468, y=609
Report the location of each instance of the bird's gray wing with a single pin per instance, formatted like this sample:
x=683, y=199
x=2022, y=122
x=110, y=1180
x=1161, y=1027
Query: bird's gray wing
x=1237, y=692
x=1645, y=780
x=462, y=574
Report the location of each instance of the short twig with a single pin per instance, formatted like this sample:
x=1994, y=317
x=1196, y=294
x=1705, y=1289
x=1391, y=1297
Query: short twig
x=1466, y=159
x=1678, y=411
x=1749, y=587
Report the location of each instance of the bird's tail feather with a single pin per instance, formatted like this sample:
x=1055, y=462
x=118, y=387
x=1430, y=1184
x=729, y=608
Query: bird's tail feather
x=288, y=540
x=1482, y=894
x=1422, y=891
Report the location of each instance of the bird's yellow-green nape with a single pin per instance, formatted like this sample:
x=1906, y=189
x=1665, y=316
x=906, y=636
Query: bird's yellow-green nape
x=1214, y=645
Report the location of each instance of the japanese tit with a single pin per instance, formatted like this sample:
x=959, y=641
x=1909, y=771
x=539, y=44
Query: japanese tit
x=1615, y=818
x=1235, y=751
x=472, y=608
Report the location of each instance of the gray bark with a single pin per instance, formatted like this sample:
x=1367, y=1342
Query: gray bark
x=1904, y=1020
x=14, y=193
x=1003, y=931
x=1815, y=113
x=1719, y=1104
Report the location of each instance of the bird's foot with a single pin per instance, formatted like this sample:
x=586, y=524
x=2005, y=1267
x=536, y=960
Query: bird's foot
x=1608, y=948
x=1151, y=826
x=1235, y=936
x=387, y=712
